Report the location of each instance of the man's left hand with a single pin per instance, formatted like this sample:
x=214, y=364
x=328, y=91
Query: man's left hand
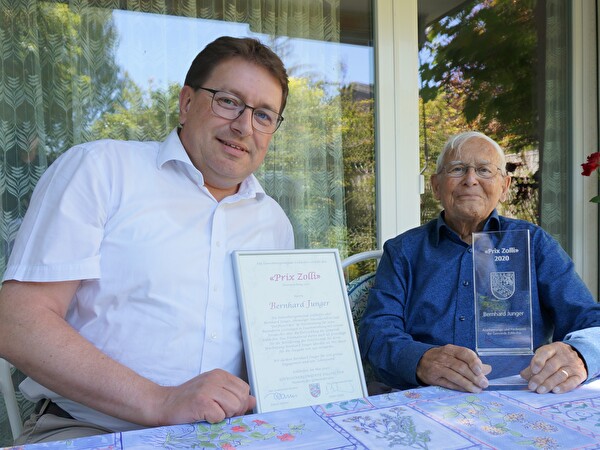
x=556, y=368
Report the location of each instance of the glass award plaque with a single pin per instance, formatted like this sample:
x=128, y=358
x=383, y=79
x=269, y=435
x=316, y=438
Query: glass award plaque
x=502, y=284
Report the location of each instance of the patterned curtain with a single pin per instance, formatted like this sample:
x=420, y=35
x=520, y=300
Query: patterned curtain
x=22, y=129
x=554, y=139
x=60, y=85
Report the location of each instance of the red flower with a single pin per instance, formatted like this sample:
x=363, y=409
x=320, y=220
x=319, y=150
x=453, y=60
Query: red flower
x=593, y=162
x=259, y=422
x=227, y=446
x=239, y=429
x=285, y=437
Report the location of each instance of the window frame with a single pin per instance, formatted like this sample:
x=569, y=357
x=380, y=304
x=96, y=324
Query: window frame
x=584, y=140
x=396, y=117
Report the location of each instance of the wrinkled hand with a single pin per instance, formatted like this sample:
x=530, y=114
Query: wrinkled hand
x=453, y=367
x=211, y=396
x=555, y=367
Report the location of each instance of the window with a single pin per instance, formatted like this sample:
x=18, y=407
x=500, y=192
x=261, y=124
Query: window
x=75, y=71
x=503, y=68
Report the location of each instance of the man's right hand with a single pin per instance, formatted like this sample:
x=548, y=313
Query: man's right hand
x=35, y=337
x=453, y=367
x=211, y=396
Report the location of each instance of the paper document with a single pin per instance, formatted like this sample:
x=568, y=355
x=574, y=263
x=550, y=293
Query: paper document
x=299, y=337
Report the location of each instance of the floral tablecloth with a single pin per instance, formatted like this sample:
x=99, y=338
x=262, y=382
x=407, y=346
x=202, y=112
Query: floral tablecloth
x=422, y=418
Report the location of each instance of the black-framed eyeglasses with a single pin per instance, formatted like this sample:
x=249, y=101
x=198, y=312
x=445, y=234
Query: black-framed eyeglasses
x=459, y=170
x=229, y=106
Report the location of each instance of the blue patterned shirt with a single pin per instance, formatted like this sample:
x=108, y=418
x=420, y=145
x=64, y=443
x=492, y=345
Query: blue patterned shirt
x=423, y=297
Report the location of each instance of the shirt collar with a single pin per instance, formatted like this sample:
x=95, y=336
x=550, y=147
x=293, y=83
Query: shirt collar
x=171, y=149
x=250, y=188
x=493, y=222
x=442, y=229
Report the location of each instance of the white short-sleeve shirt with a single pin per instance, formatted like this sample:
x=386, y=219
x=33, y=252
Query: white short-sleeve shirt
x=153, y=248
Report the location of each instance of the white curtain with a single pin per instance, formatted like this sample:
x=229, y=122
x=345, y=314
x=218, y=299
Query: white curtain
x=554, y=140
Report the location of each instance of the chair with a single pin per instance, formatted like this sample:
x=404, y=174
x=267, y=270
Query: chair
x=358, y=293
x=358, y=288
x=363, y=256
x=7, y=390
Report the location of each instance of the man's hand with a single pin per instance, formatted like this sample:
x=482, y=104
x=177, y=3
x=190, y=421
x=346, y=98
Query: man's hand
x=453, y=367
x=58, y=357
x=211, y=396
x=555, y=367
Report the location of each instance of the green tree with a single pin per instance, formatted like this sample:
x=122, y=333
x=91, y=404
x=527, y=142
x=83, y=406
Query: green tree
x=487, y=53
x=484, y=60
x=358, y=139
x=303, y=164
x=140, y=115
x=79, y=75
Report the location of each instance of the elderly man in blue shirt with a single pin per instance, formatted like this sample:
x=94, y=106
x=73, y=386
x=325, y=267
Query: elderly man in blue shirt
x=419, y=325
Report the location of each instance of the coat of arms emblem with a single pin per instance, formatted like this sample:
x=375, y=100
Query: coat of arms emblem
x=315, y=389
x=502, y=284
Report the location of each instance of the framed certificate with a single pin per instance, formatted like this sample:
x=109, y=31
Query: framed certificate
x=299, y=337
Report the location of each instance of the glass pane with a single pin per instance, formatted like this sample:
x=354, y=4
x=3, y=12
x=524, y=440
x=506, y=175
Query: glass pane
x=113, y=69
x=502, y=68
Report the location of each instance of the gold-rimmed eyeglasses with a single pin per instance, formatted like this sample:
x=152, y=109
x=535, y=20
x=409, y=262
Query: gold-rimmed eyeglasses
x=229, y=106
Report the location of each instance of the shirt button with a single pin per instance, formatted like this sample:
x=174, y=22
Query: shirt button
x=218, y=243
x=466, y=283
x=213, y=337
x=470, y=250
x=461, y=318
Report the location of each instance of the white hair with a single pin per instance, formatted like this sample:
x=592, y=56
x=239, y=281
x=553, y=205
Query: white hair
x=455, y=143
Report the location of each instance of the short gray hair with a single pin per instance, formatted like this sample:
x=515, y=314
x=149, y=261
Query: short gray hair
x=455, y=143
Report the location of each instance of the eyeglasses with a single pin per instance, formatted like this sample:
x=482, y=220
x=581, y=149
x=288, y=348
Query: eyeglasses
x=459, y=170
x=228, y=106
